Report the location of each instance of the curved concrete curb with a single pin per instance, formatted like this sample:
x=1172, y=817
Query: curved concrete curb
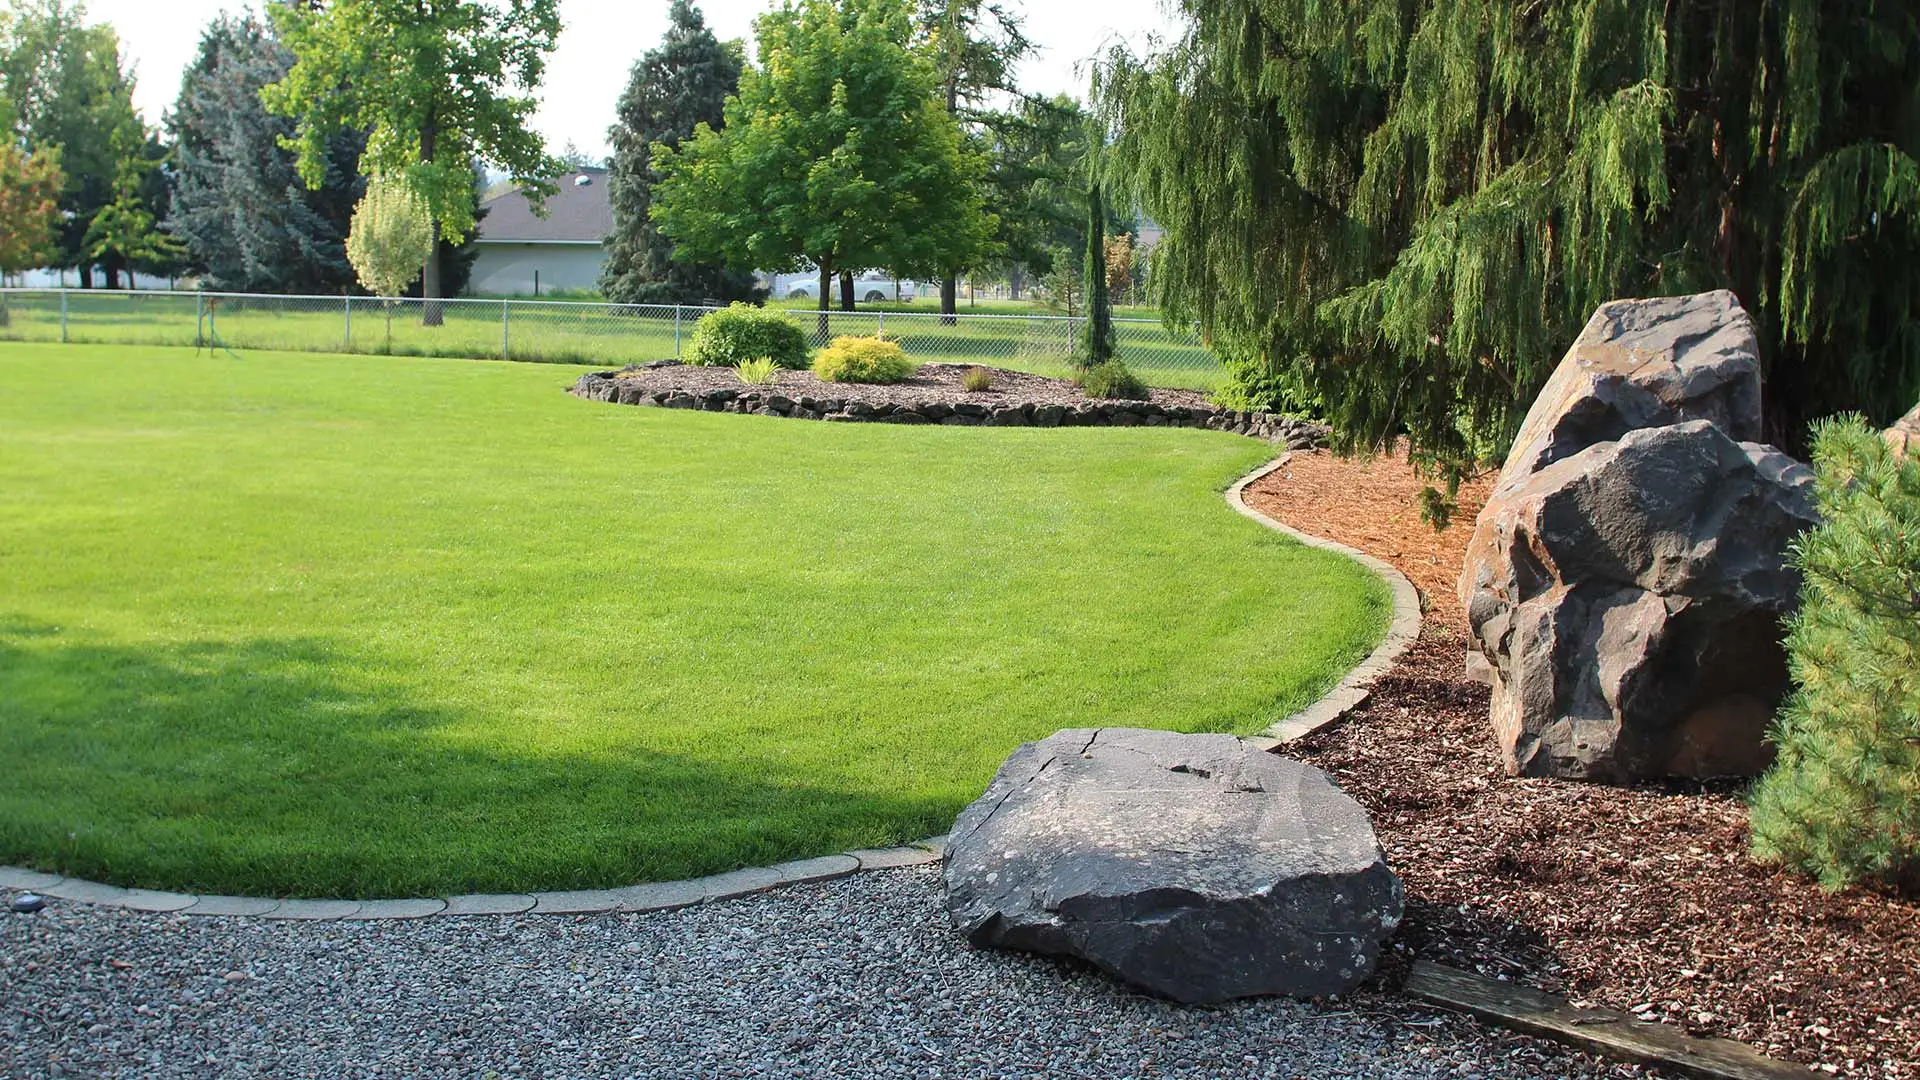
x=1354, y=688
x=666, y=895
x=648, y=896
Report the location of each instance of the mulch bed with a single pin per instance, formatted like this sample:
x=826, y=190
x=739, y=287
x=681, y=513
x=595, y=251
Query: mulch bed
x=1640, y=899
x=932, y=382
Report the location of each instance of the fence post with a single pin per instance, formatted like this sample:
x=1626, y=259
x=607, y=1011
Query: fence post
x=63, y=316
x=880, y=324
x=346, y=323
x=676, y=331
x=505, y=354
x=199, y=320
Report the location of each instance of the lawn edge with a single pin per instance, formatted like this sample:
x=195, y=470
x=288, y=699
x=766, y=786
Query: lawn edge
x=1401, y=631
x=668, y=895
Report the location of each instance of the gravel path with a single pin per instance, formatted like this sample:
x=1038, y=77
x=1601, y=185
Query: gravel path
x=859, y=977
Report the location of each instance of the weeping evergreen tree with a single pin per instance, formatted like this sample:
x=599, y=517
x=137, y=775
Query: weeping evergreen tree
x=682, y=83
x=1399, y=212
x=1096, y=346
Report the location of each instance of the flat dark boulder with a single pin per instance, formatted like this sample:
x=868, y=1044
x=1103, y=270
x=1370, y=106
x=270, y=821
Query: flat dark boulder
x=1195, y=866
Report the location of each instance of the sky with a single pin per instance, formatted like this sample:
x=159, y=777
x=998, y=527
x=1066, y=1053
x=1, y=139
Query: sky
x=602, y=38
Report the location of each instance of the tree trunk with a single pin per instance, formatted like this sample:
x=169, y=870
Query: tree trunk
x=1016, y=277
x=430, y=313
x=949, y=299
x=823, y=333
x=846, y=290
x=113, y=273
x=430, y=306
x=86, y=275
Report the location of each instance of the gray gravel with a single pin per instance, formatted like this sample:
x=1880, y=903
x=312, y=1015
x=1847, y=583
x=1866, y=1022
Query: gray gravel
x=859, y=977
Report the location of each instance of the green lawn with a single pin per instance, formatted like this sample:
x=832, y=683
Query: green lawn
x=571, y=332
x=348, y=625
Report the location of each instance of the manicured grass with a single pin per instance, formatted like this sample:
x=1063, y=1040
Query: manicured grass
x=346, y=625
x=572, y=332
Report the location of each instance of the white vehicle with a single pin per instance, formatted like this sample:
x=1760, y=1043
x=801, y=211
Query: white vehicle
x=870, y=286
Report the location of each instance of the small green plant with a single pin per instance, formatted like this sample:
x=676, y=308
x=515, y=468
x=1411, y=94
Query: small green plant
x=863, y=360
x=1112, y=379
x=740, y=332
x=975, y=379
x=757, y=372
x=1842, y=802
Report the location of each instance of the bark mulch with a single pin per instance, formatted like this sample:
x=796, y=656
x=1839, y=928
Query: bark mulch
x=1641, y=899
x=931, y=382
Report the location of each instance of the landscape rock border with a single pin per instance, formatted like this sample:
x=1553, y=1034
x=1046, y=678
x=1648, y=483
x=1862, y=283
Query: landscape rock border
x=666, y=895
x=900, y=404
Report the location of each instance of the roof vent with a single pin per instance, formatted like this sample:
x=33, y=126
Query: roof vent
x=582, y=180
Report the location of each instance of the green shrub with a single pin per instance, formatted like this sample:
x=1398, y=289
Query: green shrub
x=975, y=379
x=863, y=360
x=1843, y=800
x=740, y=332
x=1112, y=379
x=758, y=371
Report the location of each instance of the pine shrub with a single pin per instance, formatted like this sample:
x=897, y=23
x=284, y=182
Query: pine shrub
x=863, y=360
x=1842, y=802
x=1113, y=379
x=740, y=332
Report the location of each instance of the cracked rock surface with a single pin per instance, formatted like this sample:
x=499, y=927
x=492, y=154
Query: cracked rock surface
x=1196, y=866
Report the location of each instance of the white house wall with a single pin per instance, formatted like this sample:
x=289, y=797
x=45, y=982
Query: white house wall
x=507, y=269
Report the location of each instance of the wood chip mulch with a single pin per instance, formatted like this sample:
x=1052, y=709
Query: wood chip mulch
x=1639, y=899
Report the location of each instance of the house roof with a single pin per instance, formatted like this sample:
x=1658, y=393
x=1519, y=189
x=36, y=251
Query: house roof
x=577, y=213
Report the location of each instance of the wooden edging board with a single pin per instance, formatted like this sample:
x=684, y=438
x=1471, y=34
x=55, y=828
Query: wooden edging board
x=1602, y=1031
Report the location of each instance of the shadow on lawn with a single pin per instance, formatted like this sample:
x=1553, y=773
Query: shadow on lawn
x=290, y=767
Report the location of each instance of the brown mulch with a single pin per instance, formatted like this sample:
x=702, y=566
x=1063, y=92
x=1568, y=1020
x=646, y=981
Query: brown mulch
x=932, y=382
x=1640, y=899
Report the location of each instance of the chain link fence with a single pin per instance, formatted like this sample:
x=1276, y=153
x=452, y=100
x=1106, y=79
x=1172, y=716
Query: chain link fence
x=557, y=331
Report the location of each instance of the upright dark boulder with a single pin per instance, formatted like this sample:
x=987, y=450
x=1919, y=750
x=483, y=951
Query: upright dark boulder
x=1627, y=579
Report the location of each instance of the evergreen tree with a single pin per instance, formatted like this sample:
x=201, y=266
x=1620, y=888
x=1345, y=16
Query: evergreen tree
x=248, y=222
x=1843, y=800
x=1407, y=209
x=1096, y=343
x=835, y=152
x=674, y=88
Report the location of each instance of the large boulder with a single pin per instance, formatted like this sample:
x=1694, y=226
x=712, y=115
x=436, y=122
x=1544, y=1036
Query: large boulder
x=1904, y=435
x=1627, y=579
x=1196, y=866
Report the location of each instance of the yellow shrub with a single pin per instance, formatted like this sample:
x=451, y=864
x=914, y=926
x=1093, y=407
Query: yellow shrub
x=863, y=360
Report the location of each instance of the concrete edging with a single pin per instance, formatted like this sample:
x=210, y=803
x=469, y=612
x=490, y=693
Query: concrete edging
x=647, y=896
x=1353, y=689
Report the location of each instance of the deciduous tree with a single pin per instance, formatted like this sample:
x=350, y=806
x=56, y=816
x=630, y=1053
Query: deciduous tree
x=124, y=231
x=976, y=46
x=672, y=90
x=836, y=151
x=70, y=93
x=30, y=186
x=432, y=83
x=391, y=239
